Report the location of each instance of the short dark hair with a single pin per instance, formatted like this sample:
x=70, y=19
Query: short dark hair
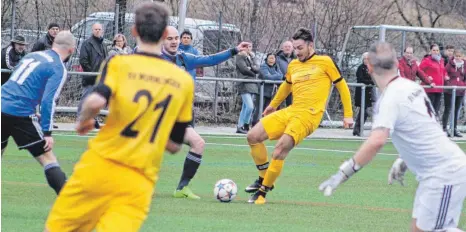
x=151, y=19
x=187, y=32
x=449, y=47
x=304, y=34
x=434, y=45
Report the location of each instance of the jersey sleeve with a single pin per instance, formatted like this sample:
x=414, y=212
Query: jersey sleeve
x=186, y=113
x=332, y=71
x=107, y=81
x=52, y=91
x=387, y=110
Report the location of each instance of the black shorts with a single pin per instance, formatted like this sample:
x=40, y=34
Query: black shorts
x=191, y=124
x=25, y=131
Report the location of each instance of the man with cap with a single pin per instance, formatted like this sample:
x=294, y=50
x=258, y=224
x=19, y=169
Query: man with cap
x=45, y=43
x=12, y=54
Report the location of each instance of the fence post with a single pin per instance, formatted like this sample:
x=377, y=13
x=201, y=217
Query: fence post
x=182, y=15
x=116, y=18
x=403, y=42
x=452, y=111
x=13, y=17
x=362, y=110
x=382, y=32
x=217, y=72
x=261, y=100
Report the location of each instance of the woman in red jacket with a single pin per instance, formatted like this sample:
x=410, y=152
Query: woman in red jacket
x=433, y=66
x=456, y=73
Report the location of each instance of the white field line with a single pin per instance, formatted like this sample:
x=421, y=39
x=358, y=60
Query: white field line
x=245, y=145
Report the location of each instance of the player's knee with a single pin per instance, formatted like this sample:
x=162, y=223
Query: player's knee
x=281, y=150
x=46, y=158
x=197, y=145
x=253, y=137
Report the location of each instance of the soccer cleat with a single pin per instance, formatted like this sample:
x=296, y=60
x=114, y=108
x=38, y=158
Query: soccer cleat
x=258, y=198
x=185, y=193
x=252, y=188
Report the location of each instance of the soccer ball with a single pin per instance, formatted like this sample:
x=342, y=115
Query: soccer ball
x=225, y=190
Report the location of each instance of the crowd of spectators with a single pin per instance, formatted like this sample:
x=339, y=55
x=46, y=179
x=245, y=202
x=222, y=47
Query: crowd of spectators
x=435, y=69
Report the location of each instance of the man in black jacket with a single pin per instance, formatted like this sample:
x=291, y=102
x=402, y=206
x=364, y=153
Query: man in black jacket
x=363, y=77
x=45, y=43
x=93, y=52
x=12, y=54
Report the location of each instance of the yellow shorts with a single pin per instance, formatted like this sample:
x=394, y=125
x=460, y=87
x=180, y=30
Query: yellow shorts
x=297, y=123
x=101, y=194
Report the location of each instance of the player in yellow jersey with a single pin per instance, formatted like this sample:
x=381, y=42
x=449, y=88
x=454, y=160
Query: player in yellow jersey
x=150, y=103
x=310, y=78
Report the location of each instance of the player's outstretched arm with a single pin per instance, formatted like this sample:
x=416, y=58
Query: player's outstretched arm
x=363, y=156
x=193, y=61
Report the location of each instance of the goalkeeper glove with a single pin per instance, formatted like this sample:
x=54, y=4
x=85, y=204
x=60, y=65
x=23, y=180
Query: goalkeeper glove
x=347, y=169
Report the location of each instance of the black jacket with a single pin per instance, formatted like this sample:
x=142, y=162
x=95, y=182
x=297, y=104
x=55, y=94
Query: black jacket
x=10, y=58
x=283, y=61
x=363, y=77
x=93, y=52
x=44, y=43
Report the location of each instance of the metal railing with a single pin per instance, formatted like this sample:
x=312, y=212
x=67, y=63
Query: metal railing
x=261, y=94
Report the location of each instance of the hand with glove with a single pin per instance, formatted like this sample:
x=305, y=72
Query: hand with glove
x=397, y=172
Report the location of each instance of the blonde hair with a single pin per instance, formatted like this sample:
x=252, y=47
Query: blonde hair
x=120, y=36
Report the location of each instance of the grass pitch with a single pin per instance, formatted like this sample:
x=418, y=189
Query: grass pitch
x=364, y=203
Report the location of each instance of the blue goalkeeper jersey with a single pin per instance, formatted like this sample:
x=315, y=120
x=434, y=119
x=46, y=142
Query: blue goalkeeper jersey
x=38, y=79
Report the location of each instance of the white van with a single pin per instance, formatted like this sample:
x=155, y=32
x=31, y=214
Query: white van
x=205, y=34
x=205, y=40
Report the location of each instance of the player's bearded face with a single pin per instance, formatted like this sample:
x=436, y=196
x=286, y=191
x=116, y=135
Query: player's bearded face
x=302, y=49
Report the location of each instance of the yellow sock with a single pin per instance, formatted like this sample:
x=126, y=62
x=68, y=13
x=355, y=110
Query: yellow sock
x=259, y=154
x=273, y=172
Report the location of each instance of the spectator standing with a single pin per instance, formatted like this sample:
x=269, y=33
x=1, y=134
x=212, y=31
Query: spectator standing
x=45, y=43
x=284, y=57
x=409, y=69
x=457, y=75
x=432, y=65
x=448, y=54
x=187, y=47
x=363, y=77
x=246, y=69
x=119, y=46
x=270, y=71
x=12, y=54
x=93, y=52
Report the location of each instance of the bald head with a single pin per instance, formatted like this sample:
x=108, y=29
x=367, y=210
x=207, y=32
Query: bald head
x=64, y=44
x=64, y=40
x=97, y=30
x=287, y=47
x=382, y=59
x=172, y=42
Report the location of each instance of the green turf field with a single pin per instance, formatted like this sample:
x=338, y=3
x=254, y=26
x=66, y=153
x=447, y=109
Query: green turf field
x=364, y=203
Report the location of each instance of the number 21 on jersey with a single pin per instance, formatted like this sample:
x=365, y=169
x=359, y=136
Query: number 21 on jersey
x=162, y=105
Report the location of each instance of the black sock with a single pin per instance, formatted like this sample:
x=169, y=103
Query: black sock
x=191, y=164
x=55, y=176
